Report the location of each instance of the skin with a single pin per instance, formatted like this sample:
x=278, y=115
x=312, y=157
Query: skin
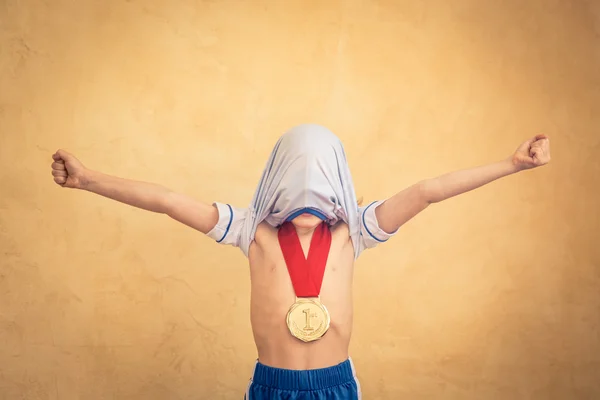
x=271, y=290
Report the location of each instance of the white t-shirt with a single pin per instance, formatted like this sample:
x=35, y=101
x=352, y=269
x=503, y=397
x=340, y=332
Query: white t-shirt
x=230, y=228
x=306, y=169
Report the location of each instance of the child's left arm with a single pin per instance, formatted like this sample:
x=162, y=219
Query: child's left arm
x=403, y=206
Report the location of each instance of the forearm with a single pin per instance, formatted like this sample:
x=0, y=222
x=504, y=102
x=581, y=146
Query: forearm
x=458, y=182
x=148, y=196
x=404, y=205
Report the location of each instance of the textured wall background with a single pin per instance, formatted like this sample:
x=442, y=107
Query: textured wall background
x=491, y=295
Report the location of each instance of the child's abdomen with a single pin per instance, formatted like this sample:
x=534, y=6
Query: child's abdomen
x=272, y=295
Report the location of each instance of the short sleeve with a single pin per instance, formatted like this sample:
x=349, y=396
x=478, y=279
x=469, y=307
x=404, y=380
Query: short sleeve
x=229, y=228
x=370, y=233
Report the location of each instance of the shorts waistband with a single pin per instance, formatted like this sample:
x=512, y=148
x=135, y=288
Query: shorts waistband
x=312, y=379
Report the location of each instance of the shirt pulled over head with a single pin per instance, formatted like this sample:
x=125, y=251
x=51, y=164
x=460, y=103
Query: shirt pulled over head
x=307, y=171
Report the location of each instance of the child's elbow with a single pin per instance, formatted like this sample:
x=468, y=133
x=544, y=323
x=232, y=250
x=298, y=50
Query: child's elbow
x=429, y=191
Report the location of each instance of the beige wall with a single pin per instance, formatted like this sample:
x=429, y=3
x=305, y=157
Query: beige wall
x=491, y=295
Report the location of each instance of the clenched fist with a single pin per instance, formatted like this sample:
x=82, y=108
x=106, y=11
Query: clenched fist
x=535, y=152
x=67, y=170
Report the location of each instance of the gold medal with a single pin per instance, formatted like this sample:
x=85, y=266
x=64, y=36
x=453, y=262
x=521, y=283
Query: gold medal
x=308, y=319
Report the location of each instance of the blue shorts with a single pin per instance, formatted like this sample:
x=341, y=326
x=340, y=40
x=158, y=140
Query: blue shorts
x=333, y=383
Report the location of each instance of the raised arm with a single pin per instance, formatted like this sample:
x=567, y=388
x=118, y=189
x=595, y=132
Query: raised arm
x=403, y=206
x=69, y=172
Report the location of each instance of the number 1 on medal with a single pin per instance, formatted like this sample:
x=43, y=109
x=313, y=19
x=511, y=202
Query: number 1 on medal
x=307, y=327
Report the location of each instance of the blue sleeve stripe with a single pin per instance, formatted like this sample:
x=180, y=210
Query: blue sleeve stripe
x=228, y=225
x=365, y=225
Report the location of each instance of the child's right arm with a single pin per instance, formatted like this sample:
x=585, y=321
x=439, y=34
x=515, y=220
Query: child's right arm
x=69, y=172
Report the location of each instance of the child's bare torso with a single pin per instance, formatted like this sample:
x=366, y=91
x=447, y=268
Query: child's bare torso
x=272, y=294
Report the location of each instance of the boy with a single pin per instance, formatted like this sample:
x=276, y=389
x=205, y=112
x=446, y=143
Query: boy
x=301, y=235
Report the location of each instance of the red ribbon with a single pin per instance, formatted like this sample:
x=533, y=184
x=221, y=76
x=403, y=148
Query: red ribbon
x=306, y=273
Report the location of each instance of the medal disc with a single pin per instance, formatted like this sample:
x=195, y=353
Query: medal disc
x=308, y=319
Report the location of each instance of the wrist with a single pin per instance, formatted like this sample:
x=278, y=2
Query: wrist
x=512, y=165
x=88, y=179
